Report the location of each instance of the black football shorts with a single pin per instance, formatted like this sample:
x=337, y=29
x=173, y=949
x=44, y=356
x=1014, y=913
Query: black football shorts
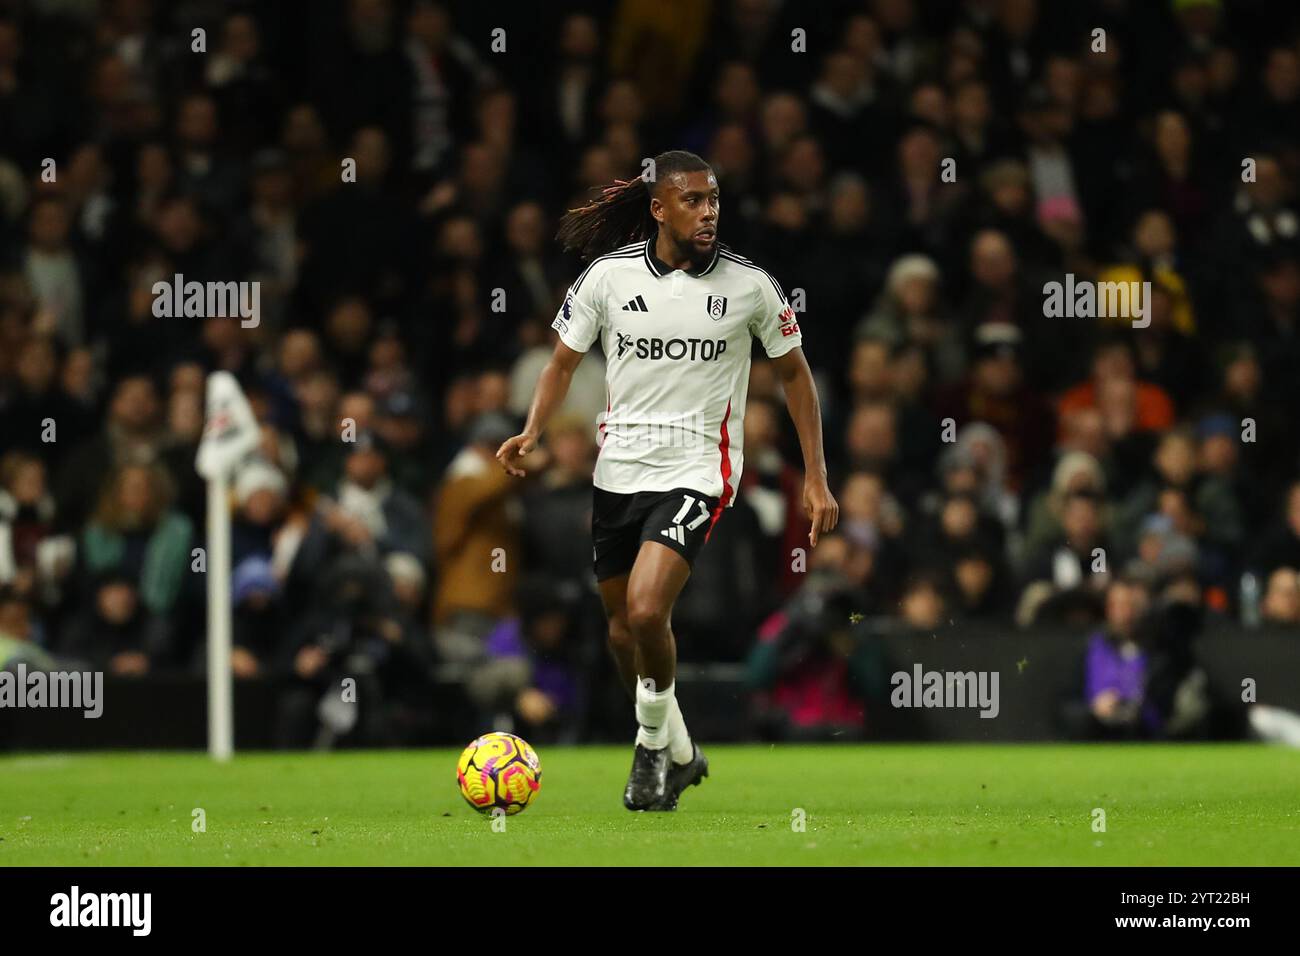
x=680, y=519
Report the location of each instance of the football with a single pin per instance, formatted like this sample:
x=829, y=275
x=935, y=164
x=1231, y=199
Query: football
x=499, y=770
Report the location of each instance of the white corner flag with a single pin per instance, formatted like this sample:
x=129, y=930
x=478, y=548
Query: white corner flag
x=229, y=433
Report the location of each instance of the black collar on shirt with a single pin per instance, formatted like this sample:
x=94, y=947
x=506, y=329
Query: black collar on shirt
x=661, y=268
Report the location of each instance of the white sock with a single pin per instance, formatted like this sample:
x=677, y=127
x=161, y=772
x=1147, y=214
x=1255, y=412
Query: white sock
x=652, y=709
x=679, y=741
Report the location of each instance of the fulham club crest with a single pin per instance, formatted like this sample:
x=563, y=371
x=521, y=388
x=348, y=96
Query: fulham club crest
x=717, y=306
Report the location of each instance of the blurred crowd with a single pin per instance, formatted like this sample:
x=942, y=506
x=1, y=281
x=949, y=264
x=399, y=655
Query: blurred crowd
x=992, y=463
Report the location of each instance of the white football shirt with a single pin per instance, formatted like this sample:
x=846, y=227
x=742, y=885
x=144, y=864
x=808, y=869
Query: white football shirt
x=677, y=351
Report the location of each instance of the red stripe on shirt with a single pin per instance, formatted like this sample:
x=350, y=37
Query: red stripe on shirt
x=724, y=447
x=602, y=423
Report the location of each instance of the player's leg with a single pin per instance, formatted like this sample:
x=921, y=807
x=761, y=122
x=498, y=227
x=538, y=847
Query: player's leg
x=664, y=749
x=689, y=765
x=657, y=578
x=616, y=539
x=613, y=594
x=673, y=528
x=627, y=657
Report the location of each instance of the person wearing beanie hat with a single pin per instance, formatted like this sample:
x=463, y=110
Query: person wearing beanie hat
x=261, y=493
x=257, y=476
x=909, y=311
x=997, y=339
x=1075, y=471
x=409, y=579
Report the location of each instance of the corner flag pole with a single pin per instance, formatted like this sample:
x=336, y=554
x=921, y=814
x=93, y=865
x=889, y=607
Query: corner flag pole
x=221, y=716
x=229, y=434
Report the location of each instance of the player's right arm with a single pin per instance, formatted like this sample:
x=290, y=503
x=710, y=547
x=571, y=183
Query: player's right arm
x=578, y=323
x=552, y=386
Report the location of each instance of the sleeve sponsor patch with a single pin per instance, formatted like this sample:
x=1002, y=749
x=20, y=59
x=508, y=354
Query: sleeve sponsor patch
x=789, y=326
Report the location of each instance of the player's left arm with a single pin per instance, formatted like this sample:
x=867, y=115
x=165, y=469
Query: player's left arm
x=819, y=504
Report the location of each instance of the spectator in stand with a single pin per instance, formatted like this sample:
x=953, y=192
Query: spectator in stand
x=260, y=620
x=977, y=462
x=1242, y=394
x=1271, y=316
x=1115, y=703
x=130, y=435
x=995, y=392
x=1204, y=503
x=39, y=401
x=136, y=535
x=924, y=603
x=1281, y=604
x=557, y=512
x=366, y=495
x=1006, y=204
x=1113, y=362
x=401, y=424
x=909, y=310
x=410, y=587
x=1159, y=541
x=980, y=582
x=18, y=634
x=260, y=501
x=116, y=633
x=1075, y=472
x=774, y=489
x=1063, y=578
x=872, y=518
x=1280, y=543
x=55, y=273
x=815, y=671
x=534, y=669
x=354, y=629
x=34, y=560
x=180, y=447
x=476, y=542
x=1260, y=219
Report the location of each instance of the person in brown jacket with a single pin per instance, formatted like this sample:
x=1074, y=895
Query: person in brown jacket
x=476, y=533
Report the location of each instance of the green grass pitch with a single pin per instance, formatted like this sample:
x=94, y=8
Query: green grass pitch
x=864, y=805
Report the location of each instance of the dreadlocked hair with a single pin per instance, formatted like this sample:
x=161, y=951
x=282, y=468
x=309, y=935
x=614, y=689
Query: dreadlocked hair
x=622, y=213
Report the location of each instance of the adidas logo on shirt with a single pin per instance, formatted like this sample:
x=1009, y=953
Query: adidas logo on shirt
x=636, y=305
